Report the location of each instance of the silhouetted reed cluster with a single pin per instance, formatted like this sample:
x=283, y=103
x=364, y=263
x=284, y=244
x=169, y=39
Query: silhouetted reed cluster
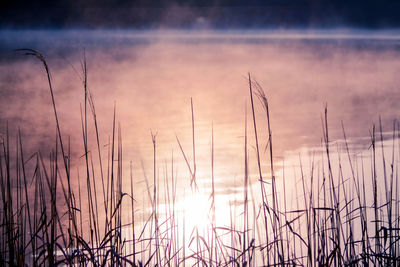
x=337, y=218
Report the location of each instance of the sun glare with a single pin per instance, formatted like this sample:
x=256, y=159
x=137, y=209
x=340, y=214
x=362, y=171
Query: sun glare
x=196, y=211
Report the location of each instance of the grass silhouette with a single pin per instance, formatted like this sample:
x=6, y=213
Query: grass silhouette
x=335, y=221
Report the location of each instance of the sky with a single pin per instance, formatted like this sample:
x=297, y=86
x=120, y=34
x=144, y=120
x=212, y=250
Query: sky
x=196, y=14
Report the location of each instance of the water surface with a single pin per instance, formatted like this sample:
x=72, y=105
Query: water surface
x=150, y=78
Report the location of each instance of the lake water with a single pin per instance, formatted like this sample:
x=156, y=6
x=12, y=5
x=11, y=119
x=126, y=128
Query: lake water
x=150, y=78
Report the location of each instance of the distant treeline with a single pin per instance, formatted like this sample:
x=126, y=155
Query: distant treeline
x=198, y=14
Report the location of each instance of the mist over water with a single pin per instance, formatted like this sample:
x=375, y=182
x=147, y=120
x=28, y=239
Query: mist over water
x=150, y=78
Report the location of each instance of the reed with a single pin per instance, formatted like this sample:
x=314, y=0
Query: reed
x=321, y=215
